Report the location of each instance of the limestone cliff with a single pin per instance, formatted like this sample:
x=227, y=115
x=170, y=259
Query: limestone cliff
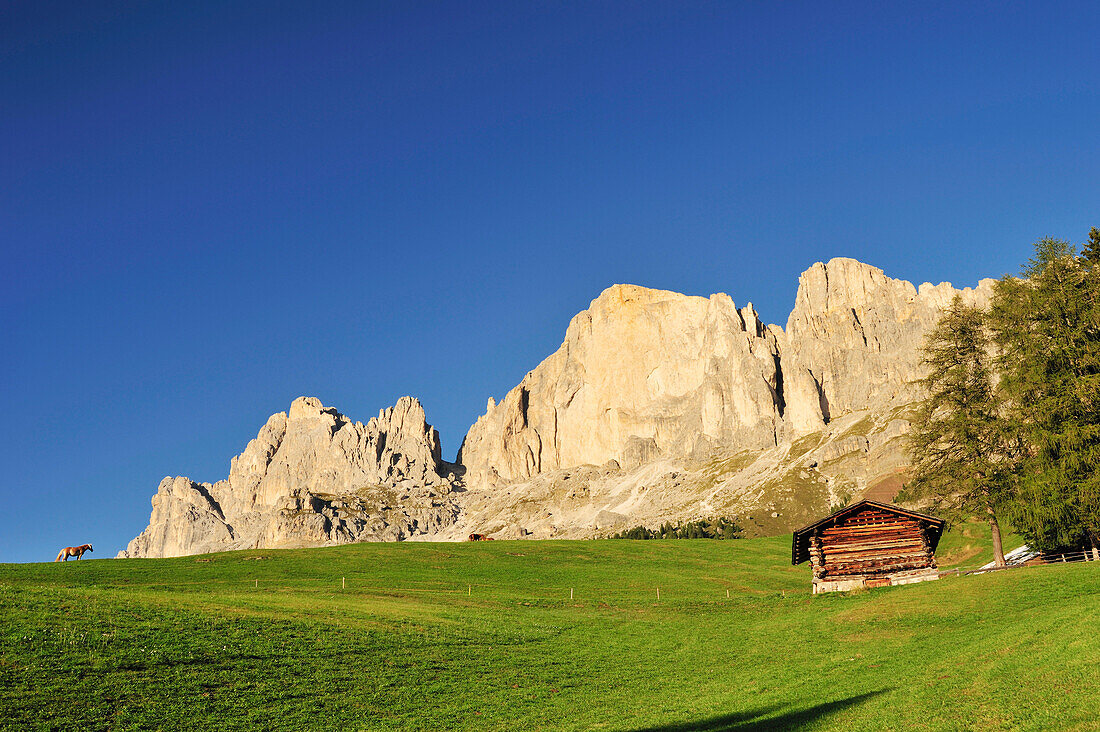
x=642, y=373
x=859, y=333
x=663, y=406
x=657, y=406
x=310, y=477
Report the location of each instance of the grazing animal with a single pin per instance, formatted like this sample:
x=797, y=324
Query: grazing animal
x=73, y=551
x=480, y=537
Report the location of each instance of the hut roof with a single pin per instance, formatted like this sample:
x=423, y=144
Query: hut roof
x=800, y=546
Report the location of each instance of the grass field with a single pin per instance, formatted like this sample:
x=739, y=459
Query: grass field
x=483, y=636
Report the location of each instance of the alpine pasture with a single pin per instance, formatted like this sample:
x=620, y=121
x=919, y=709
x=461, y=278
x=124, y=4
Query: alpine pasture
x=485, y=636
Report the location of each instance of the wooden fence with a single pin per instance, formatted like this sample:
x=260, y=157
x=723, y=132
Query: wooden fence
x=1045, y=558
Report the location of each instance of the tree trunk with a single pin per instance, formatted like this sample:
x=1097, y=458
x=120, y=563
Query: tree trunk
x=998, y=550
x=995, y=528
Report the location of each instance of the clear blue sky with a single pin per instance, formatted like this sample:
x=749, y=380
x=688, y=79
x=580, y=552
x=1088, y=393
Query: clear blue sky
x=210, y=208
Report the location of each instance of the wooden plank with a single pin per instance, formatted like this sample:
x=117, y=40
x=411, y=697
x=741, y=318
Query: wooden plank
x=864, y=538
x=869, y=544
x=876, y=567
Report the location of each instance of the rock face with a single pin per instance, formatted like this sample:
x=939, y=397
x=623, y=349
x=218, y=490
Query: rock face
x=310, y=477
x=648, y=373
x=672, y=406
x=657, y=406
x=642, y=373
x=859, y=333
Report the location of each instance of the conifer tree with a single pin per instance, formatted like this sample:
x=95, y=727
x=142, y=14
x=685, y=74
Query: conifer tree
x=961, y=451
x=1091, y=250
x=1047, y=329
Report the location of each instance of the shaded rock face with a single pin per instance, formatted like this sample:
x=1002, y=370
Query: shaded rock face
x=311, y=477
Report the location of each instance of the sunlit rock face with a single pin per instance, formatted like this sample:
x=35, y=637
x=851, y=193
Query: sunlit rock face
x=645, y=373
x=673, y=406
x=311, y=477
x=657, y=406
x=859, y=332
x=642, y=373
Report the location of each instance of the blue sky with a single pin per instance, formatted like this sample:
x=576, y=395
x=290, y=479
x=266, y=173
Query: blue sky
x=208, y=209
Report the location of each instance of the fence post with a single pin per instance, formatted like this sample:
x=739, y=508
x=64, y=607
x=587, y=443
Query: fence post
x=658, y=593
x=343, y=585
x=570, y=593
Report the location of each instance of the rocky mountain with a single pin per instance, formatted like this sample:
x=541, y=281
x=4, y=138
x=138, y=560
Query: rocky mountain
x=660, y=406
x=311, y=477
x=657, y=406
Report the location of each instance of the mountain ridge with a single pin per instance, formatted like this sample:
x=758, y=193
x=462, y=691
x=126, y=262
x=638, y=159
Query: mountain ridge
x=656, y=406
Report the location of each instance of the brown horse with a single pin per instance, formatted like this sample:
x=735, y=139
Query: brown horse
x=480, y=537
x=73, y=551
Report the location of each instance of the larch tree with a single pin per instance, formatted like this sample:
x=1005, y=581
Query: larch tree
x=961, y=449
x=1047, y=330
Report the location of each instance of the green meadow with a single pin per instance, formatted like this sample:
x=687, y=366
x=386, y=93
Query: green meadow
x=485, y=636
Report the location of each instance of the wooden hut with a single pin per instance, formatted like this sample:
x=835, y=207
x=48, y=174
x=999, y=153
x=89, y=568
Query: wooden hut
x=869, y=544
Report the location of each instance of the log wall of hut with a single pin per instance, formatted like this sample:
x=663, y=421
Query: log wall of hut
x=871, y=542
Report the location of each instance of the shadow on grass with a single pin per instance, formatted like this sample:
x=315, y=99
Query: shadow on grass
x=759, y=719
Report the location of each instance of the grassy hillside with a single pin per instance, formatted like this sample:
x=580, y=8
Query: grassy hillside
x=484, y=636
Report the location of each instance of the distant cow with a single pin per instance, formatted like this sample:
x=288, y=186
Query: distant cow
x=73, y=551
x=480, y=537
